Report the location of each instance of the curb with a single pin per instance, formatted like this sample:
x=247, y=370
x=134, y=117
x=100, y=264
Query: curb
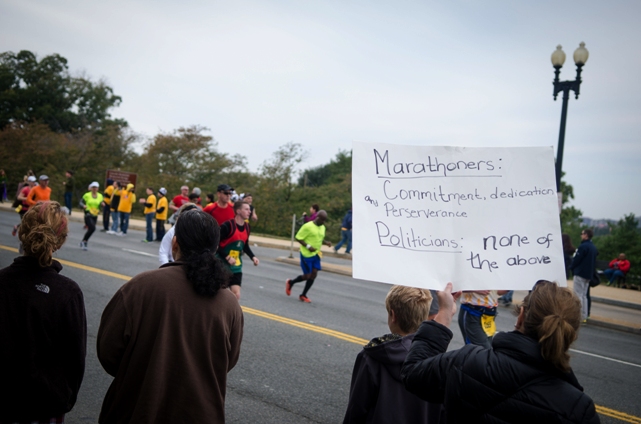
x=613, y=326
x=267, y=244
x=594, y=321
x=614, y=302
x=336, y=269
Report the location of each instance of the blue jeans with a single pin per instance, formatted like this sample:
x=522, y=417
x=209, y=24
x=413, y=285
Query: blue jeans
x=507, y=297
x=68, y=200
x=346, y=236
x=613, y=274
x=114, y=226
x=149, y=218
x=124, y=221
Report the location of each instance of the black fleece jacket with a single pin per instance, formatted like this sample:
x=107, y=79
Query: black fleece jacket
x=510, y=383
x=43, y=337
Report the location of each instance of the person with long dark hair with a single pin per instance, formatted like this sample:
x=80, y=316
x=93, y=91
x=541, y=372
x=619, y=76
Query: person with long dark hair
x=170, y=336
x=43, y=326
x=525, y=377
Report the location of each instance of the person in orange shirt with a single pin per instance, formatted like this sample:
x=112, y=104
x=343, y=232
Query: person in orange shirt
x=40, y=193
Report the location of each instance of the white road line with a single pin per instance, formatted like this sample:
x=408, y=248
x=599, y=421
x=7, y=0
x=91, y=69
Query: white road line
x=605, y=357
x=138, y=252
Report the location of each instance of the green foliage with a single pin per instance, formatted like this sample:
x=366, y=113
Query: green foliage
x=329, y=173
x=277, y=198
x=274, y=189
x=187, y=156
x=32, y=90
x=624, y=237
x=87, y=153
x=571, y=222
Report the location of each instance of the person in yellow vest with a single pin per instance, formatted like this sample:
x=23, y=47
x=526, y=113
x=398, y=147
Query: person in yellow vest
x=106, y=213
x=161, y=214
x=150, y=212
x=113, y=207
x=127, y=199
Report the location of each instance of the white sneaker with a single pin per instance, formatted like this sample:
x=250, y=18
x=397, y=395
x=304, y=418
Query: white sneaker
x=111, y=232
x=120, y=234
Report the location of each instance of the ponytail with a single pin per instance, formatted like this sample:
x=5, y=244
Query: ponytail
x=553, y=317
x=206, y=273
x=197, y=235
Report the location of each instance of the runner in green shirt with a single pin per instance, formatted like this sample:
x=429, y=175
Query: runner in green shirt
x=311, y=236
x=91, y=203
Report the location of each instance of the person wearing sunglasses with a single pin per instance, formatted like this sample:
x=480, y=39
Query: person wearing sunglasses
x=525, y=377
x=222, y=209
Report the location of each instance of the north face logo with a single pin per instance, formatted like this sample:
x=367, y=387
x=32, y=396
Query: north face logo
x=43, y=288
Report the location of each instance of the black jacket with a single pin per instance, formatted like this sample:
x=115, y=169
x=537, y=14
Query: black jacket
x=377, y=394
x=584, y=260
x=43, y=336
x=510, y=383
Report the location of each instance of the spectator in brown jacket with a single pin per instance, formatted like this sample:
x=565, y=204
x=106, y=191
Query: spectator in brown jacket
x=171, y=335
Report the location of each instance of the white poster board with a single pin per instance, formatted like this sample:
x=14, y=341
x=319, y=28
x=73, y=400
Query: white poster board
x=481, y=218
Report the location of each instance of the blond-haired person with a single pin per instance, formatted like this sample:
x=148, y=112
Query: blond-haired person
x=525, y=377
x=42, y=325
x=377, y=394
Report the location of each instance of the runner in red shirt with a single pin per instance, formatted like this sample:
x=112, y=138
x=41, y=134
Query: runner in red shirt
x=222, y=210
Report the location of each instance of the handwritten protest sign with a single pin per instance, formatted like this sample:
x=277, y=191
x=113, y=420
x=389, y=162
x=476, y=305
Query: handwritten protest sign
x=482, y=218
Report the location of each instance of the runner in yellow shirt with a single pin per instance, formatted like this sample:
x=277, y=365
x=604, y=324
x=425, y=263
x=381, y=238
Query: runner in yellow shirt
x=311, y=236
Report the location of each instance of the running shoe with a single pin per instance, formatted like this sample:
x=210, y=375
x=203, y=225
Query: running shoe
x=120, y=234
x=14, y=231
x=83, y=245
x=304, y=299
x=111, y=232
x=288, y=287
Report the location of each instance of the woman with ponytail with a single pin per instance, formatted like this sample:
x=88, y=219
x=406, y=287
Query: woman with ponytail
x=171, y=335
x=525, y=377
x=43, y=328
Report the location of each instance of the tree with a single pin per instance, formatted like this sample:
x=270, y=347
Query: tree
x=275, y=188
x=624, y=237
x=186, y=156
x=571, y=222
x=328, y=173
x=32, y=90
x=88, y=153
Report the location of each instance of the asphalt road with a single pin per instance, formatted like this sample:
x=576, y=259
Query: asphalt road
x=294, y=366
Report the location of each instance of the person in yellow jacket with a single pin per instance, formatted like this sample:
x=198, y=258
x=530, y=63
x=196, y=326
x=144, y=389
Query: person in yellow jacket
x=127, y=199
x=161, y=214
x=150, y=212
x=106, y=213
x=113, y=206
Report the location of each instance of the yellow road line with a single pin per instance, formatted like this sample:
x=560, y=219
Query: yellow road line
x=622, y=416
x=306, y=326
x=79, y=266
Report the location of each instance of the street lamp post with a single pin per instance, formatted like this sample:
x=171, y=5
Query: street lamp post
x=558, y=58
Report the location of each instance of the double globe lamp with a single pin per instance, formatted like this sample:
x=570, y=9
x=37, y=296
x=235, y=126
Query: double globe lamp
x=558, y=59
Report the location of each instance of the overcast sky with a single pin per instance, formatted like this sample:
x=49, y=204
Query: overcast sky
x=326, y=73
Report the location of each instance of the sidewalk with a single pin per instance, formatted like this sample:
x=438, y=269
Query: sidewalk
x=613, y=308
